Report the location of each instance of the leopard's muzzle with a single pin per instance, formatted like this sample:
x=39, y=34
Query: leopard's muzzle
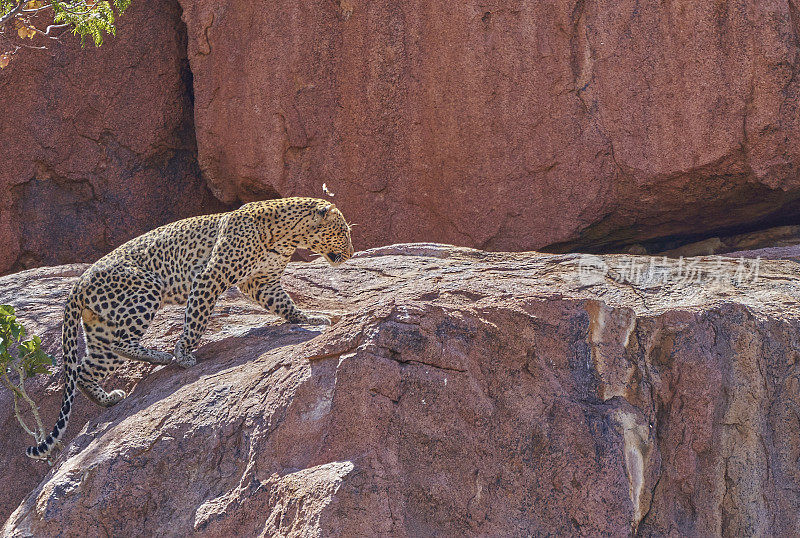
x=335, y=258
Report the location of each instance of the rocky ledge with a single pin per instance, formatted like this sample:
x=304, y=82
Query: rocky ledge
x=457, y=392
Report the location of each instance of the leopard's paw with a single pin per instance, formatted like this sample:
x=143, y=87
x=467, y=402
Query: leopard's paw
x=184, y=357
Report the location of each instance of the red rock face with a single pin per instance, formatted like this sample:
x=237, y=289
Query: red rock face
x=504, y=126
x=458, y=392
x=97, y=144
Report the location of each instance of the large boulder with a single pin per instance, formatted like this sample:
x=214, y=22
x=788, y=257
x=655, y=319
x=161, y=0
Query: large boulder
x=592, y=126
x=98, y=144
x=566, y=124
x=457, y=392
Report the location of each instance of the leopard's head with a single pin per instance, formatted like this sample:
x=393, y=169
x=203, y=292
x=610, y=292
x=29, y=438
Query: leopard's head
x=330, y=234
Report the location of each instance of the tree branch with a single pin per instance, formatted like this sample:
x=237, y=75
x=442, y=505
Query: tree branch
x=46, y=33
x=17, y=394
x=22, y=423
x=31, y=403
x=13, y=13
x=37, y=10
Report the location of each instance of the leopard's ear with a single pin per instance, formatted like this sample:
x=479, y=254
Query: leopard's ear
x=321, y=213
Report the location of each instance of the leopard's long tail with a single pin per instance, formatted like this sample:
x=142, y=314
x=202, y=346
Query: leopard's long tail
x=69, y=342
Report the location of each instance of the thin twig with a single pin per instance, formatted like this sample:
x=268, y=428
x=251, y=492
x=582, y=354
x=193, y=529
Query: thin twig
x=17, y=47
x=46, y=33
x=16, y=394
x=76, y=12
x=13, y=13
x=22, y=423
x=37, y=10
x=30, y=402
x=10, y=385
x=61, y=9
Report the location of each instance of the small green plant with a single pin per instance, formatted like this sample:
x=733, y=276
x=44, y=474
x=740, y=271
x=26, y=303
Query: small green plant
x=20, y=360
x=49, y=20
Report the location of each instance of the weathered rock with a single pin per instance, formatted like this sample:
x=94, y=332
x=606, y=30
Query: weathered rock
x=769, y=253
x=572, y=125
x=98, y=144
x=458, y=392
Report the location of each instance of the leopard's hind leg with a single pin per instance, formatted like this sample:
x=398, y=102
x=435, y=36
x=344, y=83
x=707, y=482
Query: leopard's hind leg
x=100, y=361
x=127, y=304
x=133, y=317
x=126, y=308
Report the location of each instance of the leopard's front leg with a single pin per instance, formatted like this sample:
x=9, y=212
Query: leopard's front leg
x=228, y=263
x=268, y=292
x=206, y=289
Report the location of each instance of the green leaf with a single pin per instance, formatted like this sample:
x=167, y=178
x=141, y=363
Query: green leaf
x=17, y=332
x=28, y=346
x=33, y=369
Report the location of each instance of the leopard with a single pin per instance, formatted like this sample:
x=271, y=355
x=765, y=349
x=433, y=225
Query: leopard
x=192, y=262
